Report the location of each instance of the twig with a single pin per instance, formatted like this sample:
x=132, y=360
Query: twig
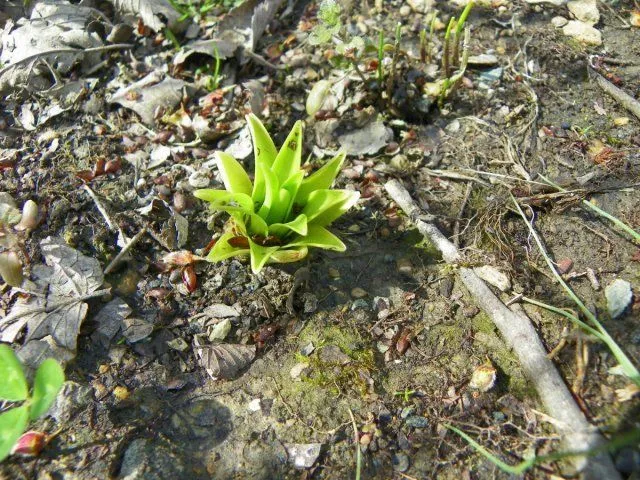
x=521, y=337
x=456, y=227
x=623, y=98
x=101, y=209
x=79, y=51
x=116, y=260
x=357, y=442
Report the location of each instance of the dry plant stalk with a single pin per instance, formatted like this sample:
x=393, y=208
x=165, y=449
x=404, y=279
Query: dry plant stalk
x=518, y=332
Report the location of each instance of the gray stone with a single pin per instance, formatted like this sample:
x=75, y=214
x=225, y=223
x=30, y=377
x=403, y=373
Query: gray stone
x=416, y=421
x=400, y=462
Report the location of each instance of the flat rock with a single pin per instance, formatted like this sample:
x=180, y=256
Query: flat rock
x=483, y=60
x=421, y=6
x=559, y=21
x=303, y=455
x=583, y=32
x=585, y=10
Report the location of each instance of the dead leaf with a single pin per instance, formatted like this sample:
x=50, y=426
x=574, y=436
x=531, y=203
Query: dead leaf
x=136, y=329
x=224, y=360
x=151, y=12
x=149, y=94
x=55, y=27
x=110, y=320
x=240, y=30
x=57, y=307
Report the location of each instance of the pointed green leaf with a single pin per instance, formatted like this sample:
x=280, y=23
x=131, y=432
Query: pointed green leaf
x=256, y=225
x=226, y=201
x=271, y=191
x=288, y=160
x=292, y=185
x=264, y=154
x=319, y=237
x=278, y=210
x=46, y=385
x=13, y=385
x=260, y=255
x=233, y=174
x=324, y=206
x=321, y=179
x=12, y=424
x=289, y=255
x=263, y=148
x=223, y=250
x=298, y=225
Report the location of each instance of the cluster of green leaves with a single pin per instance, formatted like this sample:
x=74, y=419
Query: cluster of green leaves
x=281, y=214
x=329, y=30
x=14, y=388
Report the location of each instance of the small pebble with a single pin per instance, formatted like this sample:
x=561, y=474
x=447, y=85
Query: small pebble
x=559, y=21
x=416, y=421
x=121, y=393
x=334, y=273
x=400, y=462
x=404, y=266
x=565, y=265
x=358, y=292
x=620, y=121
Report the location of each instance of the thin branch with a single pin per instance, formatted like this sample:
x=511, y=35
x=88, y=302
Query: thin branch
x=520, y=335
x=116, y=260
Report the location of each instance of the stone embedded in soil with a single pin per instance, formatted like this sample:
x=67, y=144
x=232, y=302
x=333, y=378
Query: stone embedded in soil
x=585, y=10
x=421, y=6
x=565, y=265
x=416, y=421
x=628, y=460
x=144, y=460
x=72, y=399
x=303, y=455
x=559, y=21
x=583, y=32
x=333, y=354
x=483, y=60
x=619, y=296
x=400, y=462
x=298, y=370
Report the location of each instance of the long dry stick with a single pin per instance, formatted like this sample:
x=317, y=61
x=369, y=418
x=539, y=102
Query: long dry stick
x=620, y=96
x=521, y=337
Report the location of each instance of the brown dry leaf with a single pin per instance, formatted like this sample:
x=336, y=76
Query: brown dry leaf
x=223, y=360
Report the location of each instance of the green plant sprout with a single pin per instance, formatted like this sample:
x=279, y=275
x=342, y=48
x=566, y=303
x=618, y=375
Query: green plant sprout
x=450, y=53
x=629, y=438
x=14, y=388
x=281, y=214
x=593, y=326
x=212, y=81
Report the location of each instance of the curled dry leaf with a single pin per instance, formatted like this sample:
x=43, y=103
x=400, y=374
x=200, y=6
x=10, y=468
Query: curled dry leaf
x=181, y=258
x=152, y=13
x=223, y=360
